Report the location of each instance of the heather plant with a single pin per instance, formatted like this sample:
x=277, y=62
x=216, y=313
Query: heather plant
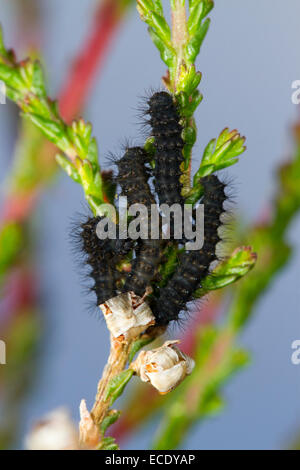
x=214, y=348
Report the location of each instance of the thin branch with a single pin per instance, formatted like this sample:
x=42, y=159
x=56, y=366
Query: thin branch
x=116, y=363
x=179, y=35
x=19, y=204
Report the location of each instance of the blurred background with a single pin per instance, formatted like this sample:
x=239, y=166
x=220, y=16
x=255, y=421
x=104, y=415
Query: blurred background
x=249, y=60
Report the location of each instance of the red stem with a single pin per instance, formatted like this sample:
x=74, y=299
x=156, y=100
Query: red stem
x=107, y=18
x=19, y=205
x=91, y=57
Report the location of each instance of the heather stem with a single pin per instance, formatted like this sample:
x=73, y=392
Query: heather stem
x=179, y=36
x=116, y=363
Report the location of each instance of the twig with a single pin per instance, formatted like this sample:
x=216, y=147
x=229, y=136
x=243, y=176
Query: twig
x=179, y=35
x=116, y=363
x=72, y=97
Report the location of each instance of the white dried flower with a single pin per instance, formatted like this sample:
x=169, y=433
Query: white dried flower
x=127, y=315
x=164, y=367
x=55, y=432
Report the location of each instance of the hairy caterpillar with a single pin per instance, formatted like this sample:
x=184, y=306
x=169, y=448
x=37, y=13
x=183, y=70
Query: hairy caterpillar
x=103, y=256
x=193, y=265
x=133, y=179
x=101, y=272
x=166, y=130
x=168, y=143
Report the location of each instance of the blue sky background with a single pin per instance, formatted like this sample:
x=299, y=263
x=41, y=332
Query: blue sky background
x=249, y=60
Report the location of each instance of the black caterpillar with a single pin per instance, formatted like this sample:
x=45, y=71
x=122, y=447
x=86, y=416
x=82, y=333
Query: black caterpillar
x=103, y=256
x=193, y=266
x=133, y=179
x=166, y=130
x=168, y=143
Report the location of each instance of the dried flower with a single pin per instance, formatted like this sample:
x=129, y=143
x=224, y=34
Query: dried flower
x=55, y=432
x=164, y=367
x=127, y=315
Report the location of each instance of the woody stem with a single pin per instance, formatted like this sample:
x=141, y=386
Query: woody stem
x=116, y=363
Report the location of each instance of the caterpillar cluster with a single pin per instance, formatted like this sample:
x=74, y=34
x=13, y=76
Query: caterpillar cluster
x=193, y=266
